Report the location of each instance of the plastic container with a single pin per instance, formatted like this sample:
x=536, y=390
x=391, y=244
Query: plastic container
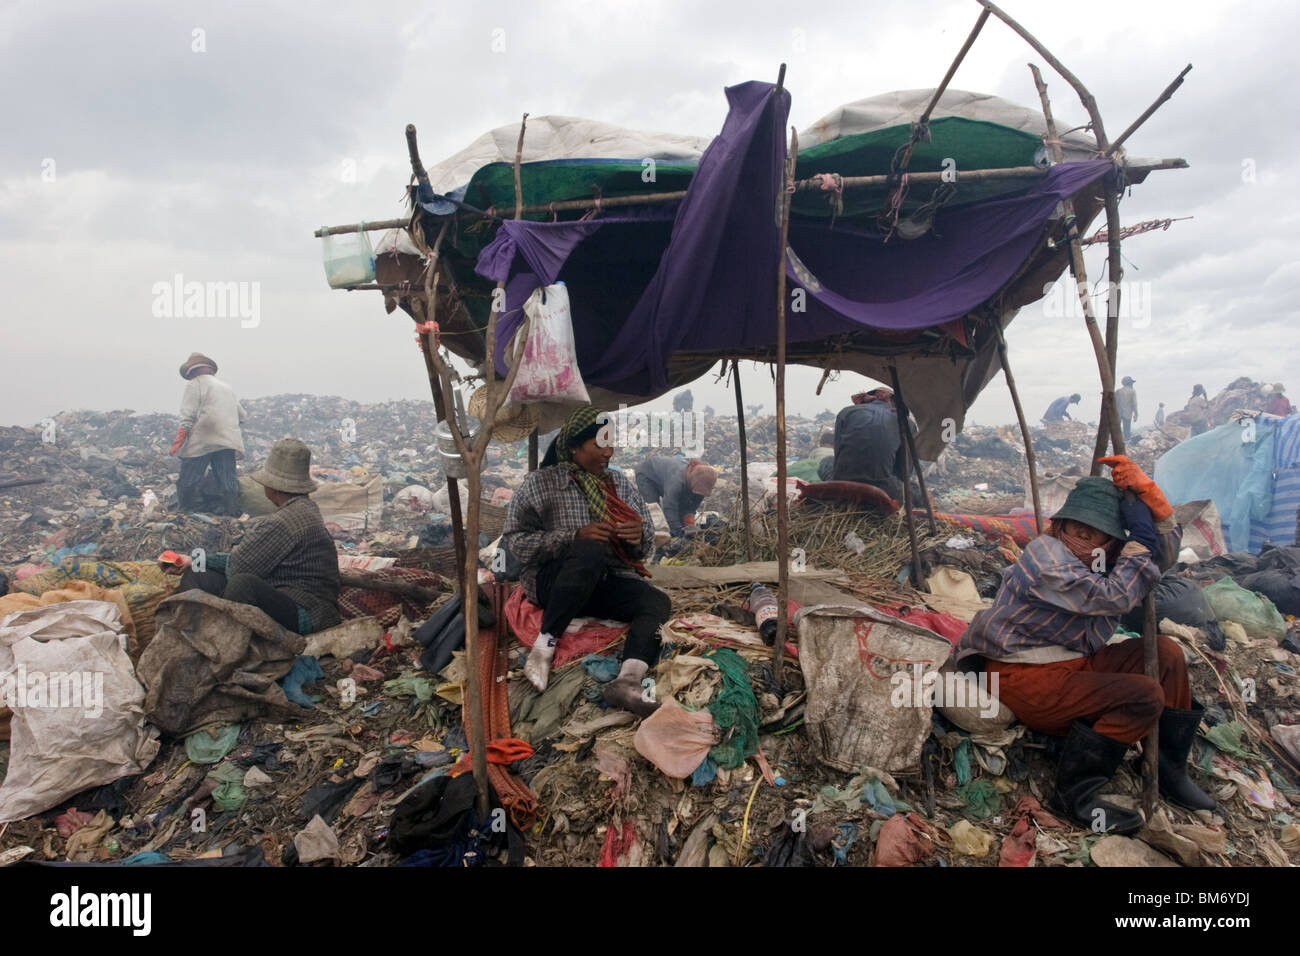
x=762, y=604
x=348, y=259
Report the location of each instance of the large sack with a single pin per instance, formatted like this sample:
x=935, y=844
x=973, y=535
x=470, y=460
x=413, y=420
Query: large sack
x=215, y=661
x=1202, y=530
x=1254, y=612
x=858, y=714
x=78, y=715
x=1183, y=602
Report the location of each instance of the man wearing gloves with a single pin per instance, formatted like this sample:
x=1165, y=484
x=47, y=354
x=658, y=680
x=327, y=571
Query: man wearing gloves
x=208, y=436
x=1046, y=638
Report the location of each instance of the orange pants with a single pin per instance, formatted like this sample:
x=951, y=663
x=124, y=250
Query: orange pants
x=1109, y=690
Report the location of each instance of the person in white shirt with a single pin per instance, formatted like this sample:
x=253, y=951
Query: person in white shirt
x=208, y=436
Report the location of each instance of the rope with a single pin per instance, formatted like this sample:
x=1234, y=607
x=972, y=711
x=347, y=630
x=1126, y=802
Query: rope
x=834, y=184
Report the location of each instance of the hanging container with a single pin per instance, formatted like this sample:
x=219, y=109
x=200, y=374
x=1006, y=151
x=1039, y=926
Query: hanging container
x=348, y=258
x=453, y=466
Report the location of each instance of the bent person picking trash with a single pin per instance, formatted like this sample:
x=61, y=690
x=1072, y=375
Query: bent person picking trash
x=582, y=533
x=1046, y=638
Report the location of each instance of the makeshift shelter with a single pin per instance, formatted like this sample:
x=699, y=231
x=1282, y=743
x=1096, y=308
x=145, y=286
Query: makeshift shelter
x=663, y=284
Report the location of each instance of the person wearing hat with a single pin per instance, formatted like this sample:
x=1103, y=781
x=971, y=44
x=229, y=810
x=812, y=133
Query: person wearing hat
x=1059, y=410
x=676, y=485
x=1160, y=416
x=208, y=436
x=1278, y=404
x=867, y=446
x=1126, y=403
x=286, y=564
x=1045, y=643
x=1197, y=411
x=582, y=533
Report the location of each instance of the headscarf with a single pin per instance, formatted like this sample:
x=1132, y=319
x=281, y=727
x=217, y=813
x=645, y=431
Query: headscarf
x=1082, y=548
x=603, y=501
x=701, y=478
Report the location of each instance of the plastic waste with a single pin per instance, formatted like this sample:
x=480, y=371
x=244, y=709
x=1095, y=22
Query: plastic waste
x=348, y=259
x=854, y=543
x=762, y=604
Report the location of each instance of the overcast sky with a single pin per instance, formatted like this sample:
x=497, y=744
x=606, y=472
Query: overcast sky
x=146, y=140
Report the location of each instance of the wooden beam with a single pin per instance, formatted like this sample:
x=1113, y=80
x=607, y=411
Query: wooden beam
x=900, y=408
x=782, y=503
x=1030, y=459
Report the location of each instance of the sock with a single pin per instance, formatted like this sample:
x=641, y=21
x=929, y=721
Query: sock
x=633, y=668
x=537, y=668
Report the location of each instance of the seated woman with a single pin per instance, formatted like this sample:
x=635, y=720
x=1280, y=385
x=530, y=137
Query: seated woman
x=581, y=532
x=287, y=563
x=1045, y=638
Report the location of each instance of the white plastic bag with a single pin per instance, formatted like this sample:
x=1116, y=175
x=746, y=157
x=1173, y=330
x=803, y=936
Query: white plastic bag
x=549, y=369
x=348, y=258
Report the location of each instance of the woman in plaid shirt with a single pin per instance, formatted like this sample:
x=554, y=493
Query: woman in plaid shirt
x=582, y=533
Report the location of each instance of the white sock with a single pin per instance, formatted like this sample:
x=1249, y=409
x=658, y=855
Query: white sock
x=633, y=668
x=537, y=668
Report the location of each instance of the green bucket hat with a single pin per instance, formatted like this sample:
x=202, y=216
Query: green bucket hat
x=1095, y=502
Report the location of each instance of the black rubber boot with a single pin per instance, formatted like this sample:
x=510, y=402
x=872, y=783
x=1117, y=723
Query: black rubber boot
x=1088, y=761
x=1177, y=731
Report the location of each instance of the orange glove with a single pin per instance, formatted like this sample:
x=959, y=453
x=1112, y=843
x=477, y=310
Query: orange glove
x=688, y=520
x=1127, y=475
x=181, y=436
x=173, y=563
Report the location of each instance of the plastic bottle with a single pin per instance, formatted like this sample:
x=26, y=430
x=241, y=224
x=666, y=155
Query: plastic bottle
x=762, y=604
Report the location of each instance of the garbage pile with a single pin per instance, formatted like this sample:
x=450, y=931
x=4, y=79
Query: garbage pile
x=353, y=751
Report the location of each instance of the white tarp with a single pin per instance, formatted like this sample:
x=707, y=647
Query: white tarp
x=78, y=709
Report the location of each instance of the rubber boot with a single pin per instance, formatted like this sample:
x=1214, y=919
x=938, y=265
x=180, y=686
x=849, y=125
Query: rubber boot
x=1177, y=731
x=1088, y=761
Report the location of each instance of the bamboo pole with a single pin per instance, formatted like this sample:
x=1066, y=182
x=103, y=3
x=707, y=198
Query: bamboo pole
x=744, y=462
x=901, y=412
x=1030, y=458
x=782, y=503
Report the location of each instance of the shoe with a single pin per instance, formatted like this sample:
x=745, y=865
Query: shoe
x=626, y=693
x=1177, y=731
x=1088, y=761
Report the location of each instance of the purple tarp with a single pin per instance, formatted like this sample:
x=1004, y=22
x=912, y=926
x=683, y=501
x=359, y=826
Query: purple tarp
x=713, y=283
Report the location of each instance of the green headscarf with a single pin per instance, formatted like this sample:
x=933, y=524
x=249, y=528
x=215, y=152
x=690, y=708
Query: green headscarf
x=593, y=486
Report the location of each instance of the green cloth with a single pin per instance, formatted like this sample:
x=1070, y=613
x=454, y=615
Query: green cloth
x=961, y=762
x=408, y=685
x=204, y=746
x=805, y=468
x=593, y=486
x=981, y=799
x=229, y=794
x=539, y=716
x=735, y=710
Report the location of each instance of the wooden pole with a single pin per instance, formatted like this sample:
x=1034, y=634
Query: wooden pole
x=1030, y=459
x=1146, y=114
x=782, y=504
x=908, y=517
x=1111, y=416
x=803, y=185
x=744, y=462
x=900, y=408
x=532, y=451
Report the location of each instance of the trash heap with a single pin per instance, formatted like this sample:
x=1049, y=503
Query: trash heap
x=358, y=733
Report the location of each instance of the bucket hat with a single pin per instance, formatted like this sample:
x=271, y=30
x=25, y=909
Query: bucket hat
x=287, y=469
x=1095, y=502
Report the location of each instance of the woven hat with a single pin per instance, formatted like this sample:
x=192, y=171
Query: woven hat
x=195, y=361
x=514, y=422
x=287, y=469
x=1095, y=502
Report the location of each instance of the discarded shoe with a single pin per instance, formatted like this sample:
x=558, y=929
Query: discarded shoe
x=626, y=693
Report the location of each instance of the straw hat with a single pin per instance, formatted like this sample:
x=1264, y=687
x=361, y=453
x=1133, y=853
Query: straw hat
x=196, y=360
x=287, y=469
x=514, y=422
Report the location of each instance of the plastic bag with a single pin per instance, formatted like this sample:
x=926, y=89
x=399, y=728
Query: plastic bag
x=548, y=371
x=1254, y=612
x=348, y=259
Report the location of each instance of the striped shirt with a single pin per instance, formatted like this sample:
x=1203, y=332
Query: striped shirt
x=548, y=510
x=1053, y=607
